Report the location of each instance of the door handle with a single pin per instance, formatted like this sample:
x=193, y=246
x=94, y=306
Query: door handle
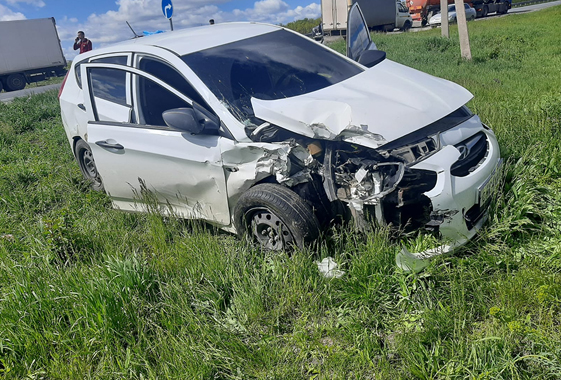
x=82, y=107
x=105, y=144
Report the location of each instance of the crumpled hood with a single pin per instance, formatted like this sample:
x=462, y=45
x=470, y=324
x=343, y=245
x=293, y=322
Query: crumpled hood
x=379, y=105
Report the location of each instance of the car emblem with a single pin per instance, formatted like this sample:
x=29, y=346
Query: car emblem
x=464, y=152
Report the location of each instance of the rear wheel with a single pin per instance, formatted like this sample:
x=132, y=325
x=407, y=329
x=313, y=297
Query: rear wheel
x=388, y=28
x=275, y=218
x=15, y=82
x=87, y=165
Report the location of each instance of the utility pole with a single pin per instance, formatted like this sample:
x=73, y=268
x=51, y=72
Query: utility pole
x=444, y=18
x=463, y=29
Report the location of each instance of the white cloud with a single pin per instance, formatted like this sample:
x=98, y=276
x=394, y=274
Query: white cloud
x=6, y=14
x=276, y=12
x=37, y=3
x=111, y=27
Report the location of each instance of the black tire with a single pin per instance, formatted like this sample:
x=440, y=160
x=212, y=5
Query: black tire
x=388, y=28
x=275, y=218
x=86, y=162
x=406, y=26
x=15, y=82
x=1, y=85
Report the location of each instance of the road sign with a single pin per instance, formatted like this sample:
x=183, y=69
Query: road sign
x=167, y=8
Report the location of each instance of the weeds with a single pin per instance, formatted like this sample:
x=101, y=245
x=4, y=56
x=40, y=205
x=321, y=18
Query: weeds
x=90, y=292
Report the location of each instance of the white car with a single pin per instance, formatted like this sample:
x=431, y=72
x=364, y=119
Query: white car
x=263, y=132
x=437, y=18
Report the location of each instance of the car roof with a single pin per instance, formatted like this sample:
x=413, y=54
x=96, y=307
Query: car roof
x=185, y=41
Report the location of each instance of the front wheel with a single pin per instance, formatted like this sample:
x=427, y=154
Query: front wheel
x=87, y=165
x=275, y=218
x=406, y=26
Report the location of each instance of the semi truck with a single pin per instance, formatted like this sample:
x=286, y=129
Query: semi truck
x=30, y=52
x=422, y=10
x=378, y=14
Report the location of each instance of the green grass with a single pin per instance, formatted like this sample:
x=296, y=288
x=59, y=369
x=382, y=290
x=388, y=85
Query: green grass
x=90, y=292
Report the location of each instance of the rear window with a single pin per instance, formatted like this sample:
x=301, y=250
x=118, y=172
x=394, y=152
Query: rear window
x=276, y=65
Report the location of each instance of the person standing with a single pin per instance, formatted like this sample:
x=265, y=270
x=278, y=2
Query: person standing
x=82, y=43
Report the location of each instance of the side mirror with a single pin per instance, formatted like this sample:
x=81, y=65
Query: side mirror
x=196, y=120
x=371, y=58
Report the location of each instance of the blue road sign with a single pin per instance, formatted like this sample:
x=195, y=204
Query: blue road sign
x=167, y=8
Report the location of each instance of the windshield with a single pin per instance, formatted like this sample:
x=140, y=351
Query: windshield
x=451, y=8
x=275, y=65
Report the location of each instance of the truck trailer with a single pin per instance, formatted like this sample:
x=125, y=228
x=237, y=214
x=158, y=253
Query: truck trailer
x=30, y=52
x=378, y=14
x=423, y=10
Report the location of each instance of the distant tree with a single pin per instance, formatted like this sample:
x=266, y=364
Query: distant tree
x=303, y=26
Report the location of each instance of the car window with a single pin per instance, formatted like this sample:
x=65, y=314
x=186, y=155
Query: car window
x=153, y=100
x=275, y=65
x=109, y=84
x=118, y=60
x=172, y=77
x=78, y=75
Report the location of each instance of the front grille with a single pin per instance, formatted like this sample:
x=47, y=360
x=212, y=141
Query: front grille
x=473, y=152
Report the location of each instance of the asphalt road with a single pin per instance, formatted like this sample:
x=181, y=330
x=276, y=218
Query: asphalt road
x=534, y=7
x=7, y=97
x=528, y=8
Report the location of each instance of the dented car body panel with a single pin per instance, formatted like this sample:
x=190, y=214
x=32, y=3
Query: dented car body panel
x=372, y=108
x=210, y=131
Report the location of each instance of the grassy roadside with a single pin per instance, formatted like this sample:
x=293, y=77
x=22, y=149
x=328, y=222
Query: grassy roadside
x=90, y=292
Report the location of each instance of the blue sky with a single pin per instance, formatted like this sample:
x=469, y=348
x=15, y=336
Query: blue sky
x=103, y=21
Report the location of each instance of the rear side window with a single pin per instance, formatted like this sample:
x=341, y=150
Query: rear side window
x=119, y=60
x=77, y=73
x=109, y=84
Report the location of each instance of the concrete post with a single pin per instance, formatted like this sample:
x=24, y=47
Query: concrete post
x=444, y=18
x=463, y=29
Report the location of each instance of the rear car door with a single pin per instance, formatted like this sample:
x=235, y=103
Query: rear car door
x=181, y=170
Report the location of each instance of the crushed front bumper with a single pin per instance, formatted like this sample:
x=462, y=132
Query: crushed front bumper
x=459, y=203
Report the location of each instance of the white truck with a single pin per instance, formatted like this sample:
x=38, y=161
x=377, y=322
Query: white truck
x=378, y=14
x=30, y=52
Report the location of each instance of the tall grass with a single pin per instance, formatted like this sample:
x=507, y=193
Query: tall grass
x=90, y=292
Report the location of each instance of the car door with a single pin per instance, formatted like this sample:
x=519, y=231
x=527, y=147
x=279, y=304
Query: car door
x=181, y=170
x=358, y=34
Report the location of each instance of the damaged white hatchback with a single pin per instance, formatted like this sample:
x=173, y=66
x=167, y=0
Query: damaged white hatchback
x=263, y=132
